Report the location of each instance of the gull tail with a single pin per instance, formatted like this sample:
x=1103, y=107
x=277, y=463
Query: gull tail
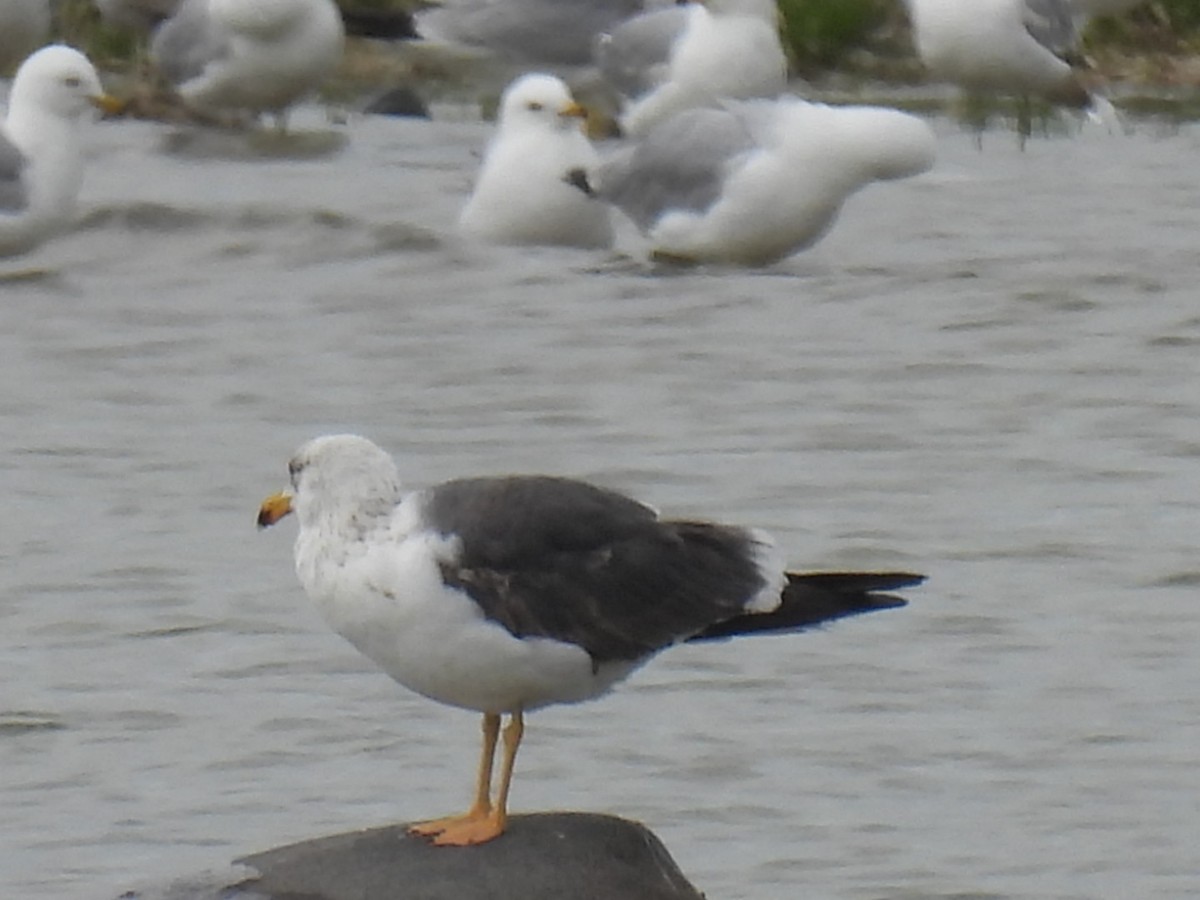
x=810, y=599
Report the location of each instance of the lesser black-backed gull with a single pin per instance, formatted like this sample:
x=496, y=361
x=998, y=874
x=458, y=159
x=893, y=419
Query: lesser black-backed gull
x=506, y=594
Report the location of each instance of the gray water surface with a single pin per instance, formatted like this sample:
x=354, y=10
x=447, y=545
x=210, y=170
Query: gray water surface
x=987, y=374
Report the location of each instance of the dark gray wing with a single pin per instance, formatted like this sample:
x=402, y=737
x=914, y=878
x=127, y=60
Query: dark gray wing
x=561, y=559
x=681, y=163
x=13, y=195
x=187, y=42
x=1052, y=24
x=633, y=56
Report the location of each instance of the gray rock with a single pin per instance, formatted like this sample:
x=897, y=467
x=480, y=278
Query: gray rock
x=546, y=856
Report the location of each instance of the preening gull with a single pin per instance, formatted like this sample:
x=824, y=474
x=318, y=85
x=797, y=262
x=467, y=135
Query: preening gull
x=697, y=55
x=1001, y=46
x=24, y=26
x=543, y=32
x=756, y=180
x=41, y=166
x=253, y=55
x=503, y=595
x=520, y=196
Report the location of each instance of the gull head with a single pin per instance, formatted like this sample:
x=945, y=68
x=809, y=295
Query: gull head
x=337, y=479
x=60, y=82
x=539, y=101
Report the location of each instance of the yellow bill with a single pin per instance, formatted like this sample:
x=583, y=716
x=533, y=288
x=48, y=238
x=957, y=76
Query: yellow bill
x=274, y=508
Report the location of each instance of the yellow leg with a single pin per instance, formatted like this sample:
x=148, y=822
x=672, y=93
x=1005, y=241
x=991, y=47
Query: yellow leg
x=481, y=830
x=482, y=805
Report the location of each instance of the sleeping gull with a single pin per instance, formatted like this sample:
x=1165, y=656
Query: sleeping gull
x=24, y=26
x=503, y=595
x=544, y=32
x=254, y=55
x=520, y=196
x=757, y=180
x=696, y=55
x=41, y=167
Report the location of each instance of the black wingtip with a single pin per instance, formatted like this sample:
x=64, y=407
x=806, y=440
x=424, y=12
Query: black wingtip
x=577, y=178
x=813, y=598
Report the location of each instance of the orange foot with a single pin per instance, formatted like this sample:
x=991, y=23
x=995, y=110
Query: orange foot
x=476, y=826
x=467, y=832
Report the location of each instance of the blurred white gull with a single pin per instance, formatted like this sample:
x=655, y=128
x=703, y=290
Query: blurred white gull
x=137, y=15
x=254, y=55
x=543, y=32
x=24, y=26
x=696, y=55
x=1001, y=46
x=41, y=166
x=520, y=196
x=754, y=181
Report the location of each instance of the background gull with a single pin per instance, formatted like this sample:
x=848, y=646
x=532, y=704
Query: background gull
x=504, y=595
x=24, y=26
x=545, y=32
x=1001, y=46
x=254, y=55
x=755, y=181
x=520, y=196
x=41, y=167
x=727, y=49
x=633, y=56
x=138, y=15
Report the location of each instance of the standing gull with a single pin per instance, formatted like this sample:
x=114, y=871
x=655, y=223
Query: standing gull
x=755, y=181
x=504, y=595
x=697, y=55
x=1001, y=46
x=520, y=196
x=254, y=55
x=41, y=167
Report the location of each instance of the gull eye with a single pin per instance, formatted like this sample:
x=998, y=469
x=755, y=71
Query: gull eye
x=535, y=106
x=72, y=81
x=295, y=467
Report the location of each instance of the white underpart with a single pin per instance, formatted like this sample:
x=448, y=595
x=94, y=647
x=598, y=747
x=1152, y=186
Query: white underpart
x=386, y=596
x=731, y=53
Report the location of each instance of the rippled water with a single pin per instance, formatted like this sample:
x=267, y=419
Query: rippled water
x=987, y=374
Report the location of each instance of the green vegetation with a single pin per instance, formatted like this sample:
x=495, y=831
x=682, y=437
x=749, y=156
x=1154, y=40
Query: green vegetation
x=822, y=33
